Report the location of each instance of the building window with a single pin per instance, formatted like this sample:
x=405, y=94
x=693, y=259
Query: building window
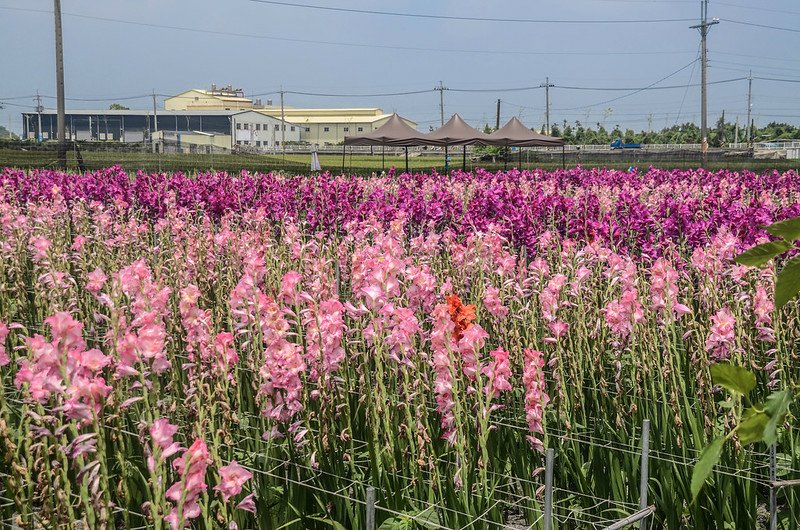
x=246, y=126
x=238, y=142
x=308, y=129
x=246, y=142
x=326, y=129
x=277, y=128
x=238, y=126
x=258, y=126
x=278, y=143
x=284, y=126
x=346, y=129
x=258, y=143
x=361, y=129
x=291, y=128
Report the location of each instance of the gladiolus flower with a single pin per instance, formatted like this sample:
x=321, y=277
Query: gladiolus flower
x=232, y=478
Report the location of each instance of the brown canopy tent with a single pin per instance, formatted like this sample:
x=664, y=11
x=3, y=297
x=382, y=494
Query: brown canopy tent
x=456, y=132
x=514, y=133
x=395, y=132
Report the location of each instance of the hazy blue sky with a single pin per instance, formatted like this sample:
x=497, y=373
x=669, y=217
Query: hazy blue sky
x=108, y=60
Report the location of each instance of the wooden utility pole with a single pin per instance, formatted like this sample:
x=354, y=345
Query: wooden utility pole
x=61, y=120
x=547, y=87
x=749, y=107
x=497, y=121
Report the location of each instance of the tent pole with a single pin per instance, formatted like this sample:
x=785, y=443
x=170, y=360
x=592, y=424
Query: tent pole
x=406, y=159
x=505, y=158
x=383, y=157
x=343, y=152
x=446, y=168
x=464, y=160
x=519, y=158
x=563, y=157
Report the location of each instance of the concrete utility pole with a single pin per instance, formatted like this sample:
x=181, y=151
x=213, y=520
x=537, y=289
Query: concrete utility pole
x=39, y=109
x=61, y=121
x=283, y=128
x=704, y=27
x=547, y=86
x=441, y=88
x=497, y=122
x=155, y=123
x=749, y=106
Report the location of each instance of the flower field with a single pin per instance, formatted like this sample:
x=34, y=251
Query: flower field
x=255, y=350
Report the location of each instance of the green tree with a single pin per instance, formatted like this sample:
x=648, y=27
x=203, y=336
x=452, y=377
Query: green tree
x=117, y=106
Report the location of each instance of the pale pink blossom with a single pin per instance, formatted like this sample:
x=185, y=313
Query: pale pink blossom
x=191, y=468
x=498, y=371
x=232, y=478
x=536, y=398
x=493, y=304
x=722, y=335
x=96, y=281
x=4, y=358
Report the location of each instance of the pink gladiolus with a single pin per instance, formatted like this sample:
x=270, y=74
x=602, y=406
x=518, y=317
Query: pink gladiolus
x=162, y=432
x=4, y=358
x=191, y=467
x=96, y=280
x=232, y=478
x=39, y=246
x=536, y=398
x=721, y=337
x=441, y=343
x=493, y=304
x=763, y=307
x=248, y=504
x=498, y=371
x=623, y=314
x=469, y=346
x=289, y=283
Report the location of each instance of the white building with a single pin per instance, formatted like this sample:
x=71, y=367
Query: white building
x=261, y=132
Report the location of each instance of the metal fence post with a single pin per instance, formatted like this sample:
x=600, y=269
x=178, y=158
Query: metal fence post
x=370, y=508
x=773, y=501
x=548, y=490
x=644, y=470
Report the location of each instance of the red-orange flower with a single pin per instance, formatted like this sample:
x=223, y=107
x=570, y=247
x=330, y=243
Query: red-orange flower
x=461, y=315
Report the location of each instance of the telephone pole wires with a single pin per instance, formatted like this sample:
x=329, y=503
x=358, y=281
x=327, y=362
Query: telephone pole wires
x=704, y=26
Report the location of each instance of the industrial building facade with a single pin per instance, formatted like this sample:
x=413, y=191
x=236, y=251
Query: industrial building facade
x=215, y=117
x=223, y=129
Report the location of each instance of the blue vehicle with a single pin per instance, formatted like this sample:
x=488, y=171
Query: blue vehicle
x=617, y=144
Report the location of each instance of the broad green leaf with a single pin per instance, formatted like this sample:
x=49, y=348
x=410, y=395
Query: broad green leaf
x=751, y=430
x=788, y=283
x=733, y=378
x=705, y=465
x=776, y=407
x=788, y=229
x=396, y=523
x=760, y=254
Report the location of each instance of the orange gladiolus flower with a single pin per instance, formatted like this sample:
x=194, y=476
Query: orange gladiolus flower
x=462, y=315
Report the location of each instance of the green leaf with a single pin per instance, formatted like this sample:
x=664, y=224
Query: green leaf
x=760, y=254
x=788, y=283
x=336, y=525
x=788, y=229
x=733, y=378
x=777, y=407
x=751, y=430
x=705, y=465
x=396, y=523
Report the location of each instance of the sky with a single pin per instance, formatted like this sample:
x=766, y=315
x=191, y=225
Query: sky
x=132, y=48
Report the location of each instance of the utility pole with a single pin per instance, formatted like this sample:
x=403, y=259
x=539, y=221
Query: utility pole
x=497, y=122
x=704, y=27
x=283, y=128
x=39, y=109
x=749, y=106
x=441, y=88
x=547, y=86
x=155, y=122
x=61, y=121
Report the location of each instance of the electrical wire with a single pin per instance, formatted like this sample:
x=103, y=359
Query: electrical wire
x=753, y=24
x=466, y=18
x=324, y=42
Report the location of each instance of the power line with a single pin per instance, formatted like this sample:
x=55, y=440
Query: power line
x=385, y=94
x=753, y=24
x=336, y=43
x=456, y=17
x=759, y=8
